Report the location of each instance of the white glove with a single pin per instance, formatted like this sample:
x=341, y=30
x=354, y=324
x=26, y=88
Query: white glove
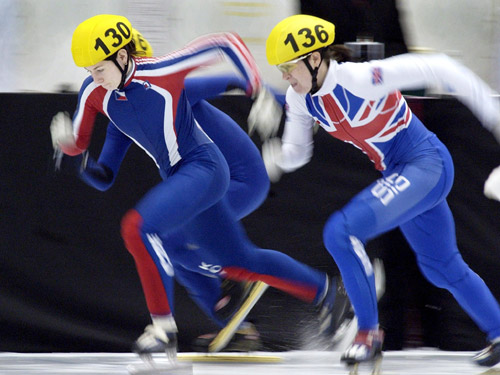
x=496, y=133
x=265, y=115
x=271, y=154
x=492, y=185
x=61, y=130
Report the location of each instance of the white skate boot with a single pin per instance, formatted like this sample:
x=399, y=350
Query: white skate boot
x=366, y=348
x=156, y=339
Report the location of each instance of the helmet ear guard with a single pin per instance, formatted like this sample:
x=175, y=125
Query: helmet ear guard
x=99, y=37
x=296, y=36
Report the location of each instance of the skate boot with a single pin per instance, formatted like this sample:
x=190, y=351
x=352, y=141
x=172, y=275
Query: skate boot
x=156, y=340
x=233, y=293
x=489, y=356
x=246, y=339
x=366, y=348
x=335, y=308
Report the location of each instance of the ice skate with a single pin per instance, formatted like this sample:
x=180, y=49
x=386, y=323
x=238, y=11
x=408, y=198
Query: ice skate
x=245, y=339
x=489, y=356
x=225, y=335
x=233, y=294
x=155, y=339
x=335, y=308
x=366, y=350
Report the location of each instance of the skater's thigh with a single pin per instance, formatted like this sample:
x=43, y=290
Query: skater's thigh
x=249, y=183
x=196, y=185
x=426, y=240
x=220, y=236
x=402, y=194
x=204, y=289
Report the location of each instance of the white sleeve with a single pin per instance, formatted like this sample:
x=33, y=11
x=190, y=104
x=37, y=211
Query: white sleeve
x=297, y=139
x=375, y=79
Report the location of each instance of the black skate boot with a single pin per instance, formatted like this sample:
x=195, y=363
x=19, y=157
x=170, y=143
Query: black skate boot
x=156, y=340
x=366, y=347
x=335, y=308
x=246, y=339
x=489, y=356
x=233, y=294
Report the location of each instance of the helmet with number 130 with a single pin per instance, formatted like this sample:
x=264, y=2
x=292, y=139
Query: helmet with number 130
x=297, y=36
x=99, y=37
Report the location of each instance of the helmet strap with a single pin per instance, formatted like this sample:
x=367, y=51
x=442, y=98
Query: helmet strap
x=314, y=74
x=122, y=70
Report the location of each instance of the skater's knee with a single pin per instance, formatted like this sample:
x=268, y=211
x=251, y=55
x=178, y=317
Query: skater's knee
x=335, y=231
x=444, y=273
x=338, y=236
x=352, y=222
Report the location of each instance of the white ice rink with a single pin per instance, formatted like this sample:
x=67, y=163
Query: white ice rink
x=413, y=362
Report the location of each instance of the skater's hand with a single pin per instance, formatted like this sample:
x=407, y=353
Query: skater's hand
x=492, y=185
x=265, y=115
x=271, y=154
x=61, y=131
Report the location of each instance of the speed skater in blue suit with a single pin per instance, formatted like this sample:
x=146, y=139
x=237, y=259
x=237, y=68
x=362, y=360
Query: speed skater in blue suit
x=145, y=100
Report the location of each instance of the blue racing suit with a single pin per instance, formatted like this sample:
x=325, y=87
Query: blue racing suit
x=153, y=111
x=360, y=103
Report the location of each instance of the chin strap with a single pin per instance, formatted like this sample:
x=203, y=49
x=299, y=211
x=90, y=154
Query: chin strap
x=122, y=70
x=314, y=74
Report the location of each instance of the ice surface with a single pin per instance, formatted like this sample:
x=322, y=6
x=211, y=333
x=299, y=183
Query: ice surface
x=409, y=362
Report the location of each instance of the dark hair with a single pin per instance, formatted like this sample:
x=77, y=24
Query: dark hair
x=130, y=48
x=133, y=51
x=337, y=52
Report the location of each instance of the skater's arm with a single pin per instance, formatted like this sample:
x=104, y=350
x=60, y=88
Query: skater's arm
x=101, y=174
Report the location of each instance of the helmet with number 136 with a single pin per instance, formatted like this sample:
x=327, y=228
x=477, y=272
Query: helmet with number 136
x=296, y=36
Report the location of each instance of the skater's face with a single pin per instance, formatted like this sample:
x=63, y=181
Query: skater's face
x=106, y=73
x=297, y=74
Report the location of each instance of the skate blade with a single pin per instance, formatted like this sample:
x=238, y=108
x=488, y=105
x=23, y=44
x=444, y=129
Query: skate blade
x=373, y=367
x=229, y=357
x=226, y=334
x=153, y=368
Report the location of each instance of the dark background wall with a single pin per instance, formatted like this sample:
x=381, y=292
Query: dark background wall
x=378, y=20
x=68, y=284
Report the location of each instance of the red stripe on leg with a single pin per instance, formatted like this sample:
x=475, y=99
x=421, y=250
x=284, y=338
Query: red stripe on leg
x=304, y=292
x=152, y=285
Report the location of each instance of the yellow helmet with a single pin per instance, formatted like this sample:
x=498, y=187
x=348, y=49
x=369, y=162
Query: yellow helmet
x=296, y=36
x=142, y=46
x=99, y=37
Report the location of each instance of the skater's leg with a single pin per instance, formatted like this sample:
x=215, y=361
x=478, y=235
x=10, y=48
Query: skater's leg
x=249, y=183
x=202, y=289
x=398, y=197
x=440, y=261
x=355, y=267
x=240, y=260
x=164, y=210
